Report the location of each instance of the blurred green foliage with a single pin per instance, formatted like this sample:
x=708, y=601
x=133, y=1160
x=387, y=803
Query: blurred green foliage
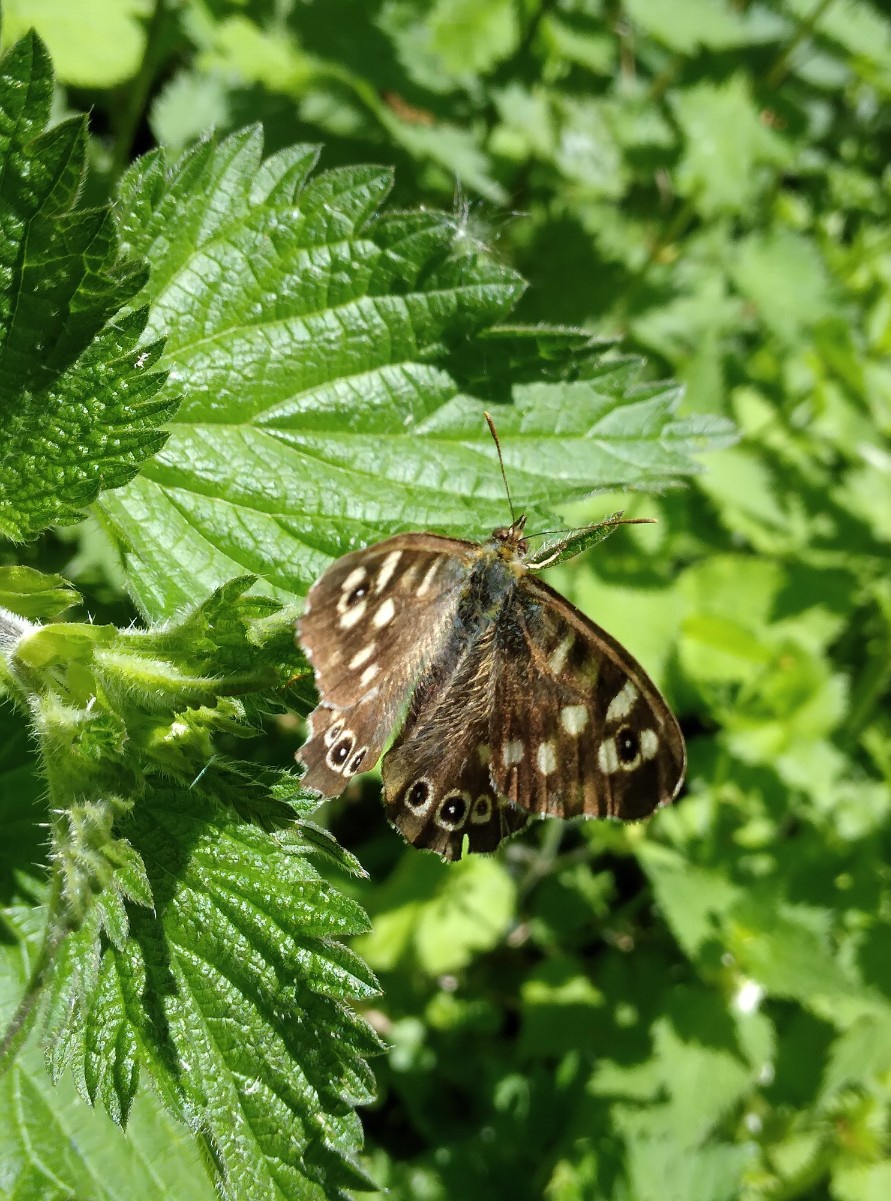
x=698, y=1008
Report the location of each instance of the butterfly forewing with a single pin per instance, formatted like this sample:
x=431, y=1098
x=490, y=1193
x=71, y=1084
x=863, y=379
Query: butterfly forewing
x=577, y=728
x=370, y=625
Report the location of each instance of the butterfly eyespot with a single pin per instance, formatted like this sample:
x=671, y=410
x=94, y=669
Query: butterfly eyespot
x=482, y=810
x=453, y=811
x=418, y=796
x=340, y=752
x=627, y=744
x=356, y=761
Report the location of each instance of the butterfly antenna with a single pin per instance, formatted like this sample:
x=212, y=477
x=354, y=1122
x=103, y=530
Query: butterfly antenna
x=494, y=432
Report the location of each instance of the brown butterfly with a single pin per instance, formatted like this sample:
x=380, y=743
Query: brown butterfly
x=517, y=704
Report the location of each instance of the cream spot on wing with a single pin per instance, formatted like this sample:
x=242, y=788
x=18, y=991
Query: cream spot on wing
x=512, y=752
x=428, y=577
x=352, y=616
x=557, y=661
x=546, y=758
x=369, y=673
x=573, y=719
x=484, y=753
x=622, y=703
x=649, y=743
x=385, y=613
x=361, y=657
x=408, y=575
x=608, y=757
x=387, y=568
x=356, y=576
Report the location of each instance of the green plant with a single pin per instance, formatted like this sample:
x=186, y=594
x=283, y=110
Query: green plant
x=694, y=1008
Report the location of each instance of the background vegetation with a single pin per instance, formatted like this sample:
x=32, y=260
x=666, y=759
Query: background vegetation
x=696, y=1008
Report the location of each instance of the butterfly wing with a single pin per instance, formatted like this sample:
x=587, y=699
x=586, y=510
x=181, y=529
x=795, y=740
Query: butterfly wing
x=371, y=623
x=576, y=725
x=437, y=783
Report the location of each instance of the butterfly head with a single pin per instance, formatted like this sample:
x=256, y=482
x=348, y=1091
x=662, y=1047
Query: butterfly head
x=510, y=540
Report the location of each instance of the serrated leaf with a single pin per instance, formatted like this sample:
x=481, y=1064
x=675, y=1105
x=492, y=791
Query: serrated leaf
x=693, y=900
x=52, y=1145
x=80, y=407
x=863, y=1051
x=316, y=334
x=786, y=952
x=232, y=995
x=718, y=173
x=575, y=542
x=782, y=273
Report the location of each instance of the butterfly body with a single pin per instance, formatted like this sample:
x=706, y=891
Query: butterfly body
x=514, y=703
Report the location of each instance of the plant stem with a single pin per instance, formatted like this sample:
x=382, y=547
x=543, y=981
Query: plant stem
x=138, y=90
x=781, y=66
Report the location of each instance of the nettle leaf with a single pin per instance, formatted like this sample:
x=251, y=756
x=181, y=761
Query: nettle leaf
x=80, y=407
x=232, y=993
x=188, y=936
x=721, y=174
x=323, y=344
x=52, y=1145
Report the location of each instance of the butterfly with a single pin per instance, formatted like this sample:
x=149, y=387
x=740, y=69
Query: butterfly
x=512, y=702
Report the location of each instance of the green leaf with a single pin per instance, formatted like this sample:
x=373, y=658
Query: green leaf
x=558, y=550
x=80, y=407
x=439, y=918
x=562, y=1008
x=53, y=1146
x=860, y=1053
x=112, y=708
x=22, y=809
x=32, y=594
x=783, y=275
x=99, y=43
x=316, y=335
x=862, y=1182
x=450, y=41
x=188, y=935
x=690, y=24
x=785, y=950
x=694, y=901
x=231, y=994
x=721, y=174
x=659, y=1168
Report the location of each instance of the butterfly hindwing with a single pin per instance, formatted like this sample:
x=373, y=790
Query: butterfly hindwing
x=370, y=623
x=577, y=728
x=438, y=788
